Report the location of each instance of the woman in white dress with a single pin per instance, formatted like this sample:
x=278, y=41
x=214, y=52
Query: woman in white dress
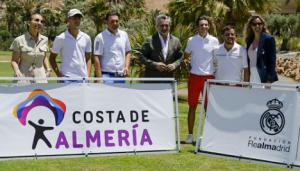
x=261, y=51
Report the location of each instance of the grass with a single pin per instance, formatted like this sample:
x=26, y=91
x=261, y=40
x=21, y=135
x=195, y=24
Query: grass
x=184, y=160
x=5, y=55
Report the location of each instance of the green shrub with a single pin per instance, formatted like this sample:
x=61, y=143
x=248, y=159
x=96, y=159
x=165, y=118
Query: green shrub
x=294, y=44
x=4, y=35
x=4, y=45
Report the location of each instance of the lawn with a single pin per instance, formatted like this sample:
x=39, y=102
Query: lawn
x=184, y=160
x=5, y=55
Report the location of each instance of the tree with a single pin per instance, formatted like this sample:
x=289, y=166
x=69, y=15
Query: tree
x=235, y=12
x=297, y=2
x=97, y=9
x=285, y=26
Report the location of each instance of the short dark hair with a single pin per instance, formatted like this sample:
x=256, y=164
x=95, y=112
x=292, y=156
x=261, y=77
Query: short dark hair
x=204, y=17
x=32, y=13
x=226, y=28
x=112, y=13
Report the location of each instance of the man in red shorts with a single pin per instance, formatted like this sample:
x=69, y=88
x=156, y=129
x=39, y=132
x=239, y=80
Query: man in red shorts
x=199, y=49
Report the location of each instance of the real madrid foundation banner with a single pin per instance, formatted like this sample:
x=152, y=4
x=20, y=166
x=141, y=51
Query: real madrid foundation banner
x=74, y=119
x=252, y=123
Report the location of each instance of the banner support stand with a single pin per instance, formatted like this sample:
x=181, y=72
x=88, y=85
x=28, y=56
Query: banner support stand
x=201, y=113
x=176, y=114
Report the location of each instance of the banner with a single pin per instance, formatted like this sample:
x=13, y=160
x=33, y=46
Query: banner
x=252, y=123
x=74, y=119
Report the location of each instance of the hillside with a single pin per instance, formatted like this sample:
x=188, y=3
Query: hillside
x=156, y=4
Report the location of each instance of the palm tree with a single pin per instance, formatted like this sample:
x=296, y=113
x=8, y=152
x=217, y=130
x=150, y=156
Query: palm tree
x=221, y=11
x=297, y=2
x=97, y=9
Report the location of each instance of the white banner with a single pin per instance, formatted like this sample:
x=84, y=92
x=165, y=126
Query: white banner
x=252, y=123
x=69, y=119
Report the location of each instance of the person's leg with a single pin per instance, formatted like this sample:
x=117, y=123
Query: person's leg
x=193, y=96
x=191, y=118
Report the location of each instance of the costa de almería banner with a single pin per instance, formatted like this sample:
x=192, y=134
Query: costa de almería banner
x=74, y=119
x=253, y=123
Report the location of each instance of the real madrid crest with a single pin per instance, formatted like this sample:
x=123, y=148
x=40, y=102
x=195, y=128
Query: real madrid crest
x=272, y=120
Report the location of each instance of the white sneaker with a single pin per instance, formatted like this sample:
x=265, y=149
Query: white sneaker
x=189, y=139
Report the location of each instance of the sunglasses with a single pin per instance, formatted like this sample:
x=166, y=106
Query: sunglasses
x=38, y=20
x=255, y=24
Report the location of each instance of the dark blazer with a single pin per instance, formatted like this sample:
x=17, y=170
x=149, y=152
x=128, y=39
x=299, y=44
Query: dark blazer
x=152, y=52
x=266, y=58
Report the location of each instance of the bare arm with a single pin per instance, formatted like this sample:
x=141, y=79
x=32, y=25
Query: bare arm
x=88, y=62
x=53, y=63
x=47, y=66
x=97, y=65
x=15, y=59
x=246, y=75
x=127, y=63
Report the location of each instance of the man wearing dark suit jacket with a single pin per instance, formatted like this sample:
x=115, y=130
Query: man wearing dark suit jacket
x=161, y=52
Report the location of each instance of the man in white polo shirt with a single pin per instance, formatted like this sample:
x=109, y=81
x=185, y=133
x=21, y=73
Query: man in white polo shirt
x=230, y=58
x=199, y=48
x=112, y=50
x=75, y=49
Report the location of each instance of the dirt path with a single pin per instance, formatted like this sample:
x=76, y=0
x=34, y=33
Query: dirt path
x=286, y=80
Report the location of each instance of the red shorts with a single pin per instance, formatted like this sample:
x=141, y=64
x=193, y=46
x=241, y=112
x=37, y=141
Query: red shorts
x=195, y=86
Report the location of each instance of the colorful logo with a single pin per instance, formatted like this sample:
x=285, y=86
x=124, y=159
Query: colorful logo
x=36, y=98
x=39, y=97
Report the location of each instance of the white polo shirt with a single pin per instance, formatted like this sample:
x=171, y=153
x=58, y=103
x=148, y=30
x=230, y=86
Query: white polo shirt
x=229, y=65
x=112, y=49
x=72, y=51
x=201, y=54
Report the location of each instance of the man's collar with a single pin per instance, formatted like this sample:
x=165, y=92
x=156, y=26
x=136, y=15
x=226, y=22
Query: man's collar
x=111, y=33
x=70, y=35
x=161, y=37
x=234, y=47
x=205, y=37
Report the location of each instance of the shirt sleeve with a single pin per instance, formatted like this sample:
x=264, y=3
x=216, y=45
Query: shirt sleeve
x=57, y=45
x=127, y=45
x=15, y=46
x=88, y=47
x=188, y=47
x=98, y=46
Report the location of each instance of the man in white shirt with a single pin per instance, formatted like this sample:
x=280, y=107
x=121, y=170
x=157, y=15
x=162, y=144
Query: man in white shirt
x=75, y=49
x=112, y=50
x=199, y=48
x=230, y=58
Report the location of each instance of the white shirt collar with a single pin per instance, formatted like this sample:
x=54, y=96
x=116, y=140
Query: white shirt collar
x=164, y=45
x=111, y=34
x=70, y=35
x=234, y=47
x=162, y=39
x=204, y=38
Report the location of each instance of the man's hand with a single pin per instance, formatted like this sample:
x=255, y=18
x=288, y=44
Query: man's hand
x=126, y=72
x=161, y=66
x=171, y=67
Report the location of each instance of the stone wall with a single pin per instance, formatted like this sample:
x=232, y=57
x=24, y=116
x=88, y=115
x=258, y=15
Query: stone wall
x=288, y=65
